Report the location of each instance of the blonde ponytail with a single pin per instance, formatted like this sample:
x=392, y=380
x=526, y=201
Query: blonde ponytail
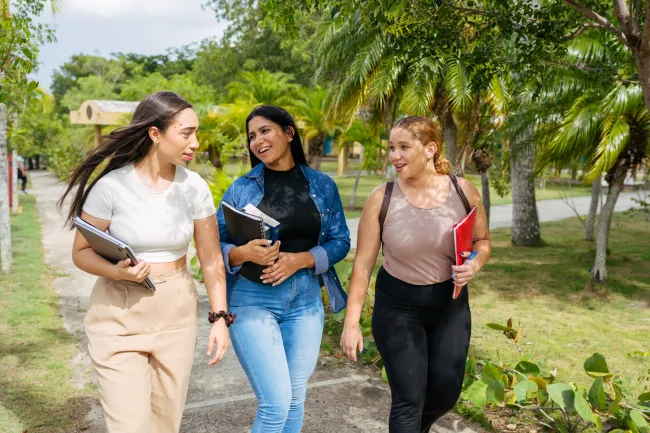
x=441, y=164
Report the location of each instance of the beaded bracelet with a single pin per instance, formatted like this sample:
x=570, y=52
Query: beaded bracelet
x=228, y=317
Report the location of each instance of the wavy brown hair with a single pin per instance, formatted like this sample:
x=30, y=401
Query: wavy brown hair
x=123, y=146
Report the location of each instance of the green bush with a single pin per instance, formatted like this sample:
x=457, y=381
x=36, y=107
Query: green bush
x=563, y=407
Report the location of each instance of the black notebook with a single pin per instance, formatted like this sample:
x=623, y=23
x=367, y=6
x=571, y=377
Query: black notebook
x=242, y=228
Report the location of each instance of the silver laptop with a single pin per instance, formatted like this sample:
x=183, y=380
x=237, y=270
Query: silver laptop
x=112, y=249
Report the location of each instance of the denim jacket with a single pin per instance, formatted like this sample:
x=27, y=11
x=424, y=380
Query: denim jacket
x=333, y=241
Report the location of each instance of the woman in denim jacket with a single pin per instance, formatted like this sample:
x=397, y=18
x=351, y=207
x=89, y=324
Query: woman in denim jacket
x=279, y=323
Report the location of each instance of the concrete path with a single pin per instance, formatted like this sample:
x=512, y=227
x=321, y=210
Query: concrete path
x=220, y=400
x=549, y=210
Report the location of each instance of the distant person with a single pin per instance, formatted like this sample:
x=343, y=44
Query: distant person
x=142, y=342
x=22, y=173
x=421, y=332
x=280, y=314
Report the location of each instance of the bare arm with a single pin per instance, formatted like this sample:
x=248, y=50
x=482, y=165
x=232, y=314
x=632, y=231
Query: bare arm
x=368, y=244
x=86, y=259
x=206, y=237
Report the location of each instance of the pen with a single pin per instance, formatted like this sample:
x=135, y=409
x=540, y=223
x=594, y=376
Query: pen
x=471, y=256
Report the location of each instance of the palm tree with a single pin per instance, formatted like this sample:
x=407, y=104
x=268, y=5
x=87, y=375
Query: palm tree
x=263, y=87
x=607, y=124
x=613, y=126
x=368, y=70
x=312, y=110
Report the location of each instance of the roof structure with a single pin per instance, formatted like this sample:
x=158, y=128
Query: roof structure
x=102, y=112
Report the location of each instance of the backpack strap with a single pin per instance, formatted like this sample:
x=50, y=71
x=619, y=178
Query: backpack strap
x=460, y=192
x=384, y=208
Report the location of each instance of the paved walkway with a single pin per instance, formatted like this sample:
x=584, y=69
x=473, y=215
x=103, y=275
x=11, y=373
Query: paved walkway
x=549, y=210
x=220, y=400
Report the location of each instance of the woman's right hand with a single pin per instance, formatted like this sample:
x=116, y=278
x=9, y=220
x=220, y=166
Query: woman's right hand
x=351, y=340
x=258, y=251
x=136, y=273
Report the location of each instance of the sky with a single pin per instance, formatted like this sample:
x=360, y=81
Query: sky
x=129, y=26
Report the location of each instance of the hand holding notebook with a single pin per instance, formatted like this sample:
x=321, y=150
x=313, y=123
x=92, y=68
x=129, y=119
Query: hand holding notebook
x=247, y=226
x=463, y=241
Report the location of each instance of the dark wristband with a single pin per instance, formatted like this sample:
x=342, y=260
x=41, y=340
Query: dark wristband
x=228, y=317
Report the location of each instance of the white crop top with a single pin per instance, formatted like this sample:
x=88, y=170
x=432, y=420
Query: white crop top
x=157, y=225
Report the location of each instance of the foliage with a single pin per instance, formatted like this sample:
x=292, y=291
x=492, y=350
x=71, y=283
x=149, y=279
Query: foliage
x=65, y=150
x=250, y=45
x=34, y=126
x=20, y=36
x=563, y=407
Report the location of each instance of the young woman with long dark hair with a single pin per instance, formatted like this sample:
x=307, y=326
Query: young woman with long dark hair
x=422, y=333
x=142, y=342
x=280, y=314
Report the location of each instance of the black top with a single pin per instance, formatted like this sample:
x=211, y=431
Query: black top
x=286, y=199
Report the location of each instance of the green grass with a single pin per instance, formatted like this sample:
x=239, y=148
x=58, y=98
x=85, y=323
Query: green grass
x=328, y=166
x=563, y=324
x=35, y=350
x=368, y=183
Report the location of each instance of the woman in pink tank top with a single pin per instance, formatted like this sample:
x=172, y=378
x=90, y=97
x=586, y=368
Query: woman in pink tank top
x=421, y=332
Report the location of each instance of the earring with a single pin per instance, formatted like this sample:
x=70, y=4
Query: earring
x=157, y=143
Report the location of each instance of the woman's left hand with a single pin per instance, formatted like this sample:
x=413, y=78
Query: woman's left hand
x=218, y=341
x=464, y=272
x=286, y=265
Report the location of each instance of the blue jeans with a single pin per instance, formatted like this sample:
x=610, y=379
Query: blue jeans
x=277, y=338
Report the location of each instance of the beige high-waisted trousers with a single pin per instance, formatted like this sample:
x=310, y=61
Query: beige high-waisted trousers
x=142, y=346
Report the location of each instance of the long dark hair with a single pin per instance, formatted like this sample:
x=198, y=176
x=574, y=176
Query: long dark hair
x=124, y=145
x=279, y=116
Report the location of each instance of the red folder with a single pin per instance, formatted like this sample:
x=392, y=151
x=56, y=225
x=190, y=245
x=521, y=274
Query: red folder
x=463, y=240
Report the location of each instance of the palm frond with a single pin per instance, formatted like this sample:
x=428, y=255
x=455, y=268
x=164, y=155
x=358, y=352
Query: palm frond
x=420, y=90
x=615, y=138
x=580, y=129
x=624, y=99
x=457, y=86
x=587, y=49
x=385, y=80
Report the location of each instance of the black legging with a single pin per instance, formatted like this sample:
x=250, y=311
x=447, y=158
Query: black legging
x=423, y=337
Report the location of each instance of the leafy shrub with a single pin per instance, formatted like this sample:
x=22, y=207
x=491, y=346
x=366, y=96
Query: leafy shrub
x=563, y=407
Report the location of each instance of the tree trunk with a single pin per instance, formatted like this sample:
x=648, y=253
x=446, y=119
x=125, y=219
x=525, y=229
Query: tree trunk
x=340, y=158
x=599, y=270
x=215, y=157
x=525, y=220
x=5, y=224
x=353, y=194
x=388, y=118
x=643, y=66
x=315, y=151
x=346, y=158
x=593, y=210
x=450, y=140
x=38, y=162
x=485, y=193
